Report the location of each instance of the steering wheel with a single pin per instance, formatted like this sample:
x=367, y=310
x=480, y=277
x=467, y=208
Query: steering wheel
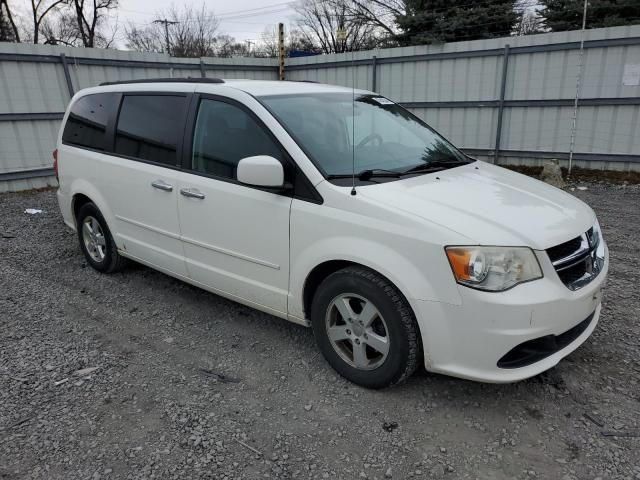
x=371, y=138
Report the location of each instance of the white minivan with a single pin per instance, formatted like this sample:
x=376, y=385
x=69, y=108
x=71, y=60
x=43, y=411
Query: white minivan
x=336, y=209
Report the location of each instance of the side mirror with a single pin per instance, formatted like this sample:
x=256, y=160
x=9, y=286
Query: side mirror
x=261, y=171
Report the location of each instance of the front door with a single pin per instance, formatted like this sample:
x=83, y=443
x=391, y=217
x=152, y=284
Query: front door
x=235, y=237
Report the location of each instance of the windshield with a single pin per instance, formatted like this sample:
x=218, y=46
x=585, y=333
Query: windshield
x=386, y=136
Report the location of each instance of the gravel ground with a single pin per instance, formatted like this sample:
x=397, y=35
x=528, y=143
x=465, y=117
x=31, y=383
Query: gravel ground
x=190, y=385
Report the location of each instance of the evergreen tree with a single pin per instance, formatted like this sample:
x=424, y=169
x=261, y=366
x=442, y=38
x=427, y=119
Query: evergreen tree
x=429, y=21
x=562, y=15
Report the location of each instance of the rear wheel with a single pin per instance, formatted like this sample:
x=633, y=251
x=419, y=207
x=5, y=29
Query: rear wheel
x=96, y=241
x=365, y=328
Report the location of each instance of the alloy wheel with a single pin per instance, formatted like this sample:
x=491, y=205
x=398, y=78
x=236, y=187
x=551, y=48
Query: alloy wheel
x=357, y=331
x=94, y=239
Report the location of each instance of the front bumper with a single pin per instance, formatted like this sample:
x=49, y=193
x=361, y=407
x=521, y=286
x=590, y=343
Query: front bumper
x=471, y=339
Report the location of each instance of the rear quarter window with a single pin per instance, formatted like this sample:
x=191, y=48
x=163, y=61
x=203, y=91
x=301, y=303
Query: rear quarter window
x=87, y=122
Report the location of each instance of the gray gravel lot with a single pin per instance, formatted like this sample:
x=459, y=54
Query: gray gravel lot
x=190, y=385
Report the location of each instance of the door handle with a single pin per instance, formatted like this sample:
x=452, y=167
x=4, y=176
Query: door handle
x=162, y=185
x=192, y=193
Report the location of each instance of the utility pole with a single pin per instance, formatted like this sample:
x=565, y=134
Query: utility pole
x=578, y=81
x=166, y=23
x=249, y=43
x=281, y=51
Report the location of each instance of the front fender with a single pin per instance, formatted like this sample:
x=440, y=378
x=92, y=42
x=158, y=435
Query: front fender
x=405, y=273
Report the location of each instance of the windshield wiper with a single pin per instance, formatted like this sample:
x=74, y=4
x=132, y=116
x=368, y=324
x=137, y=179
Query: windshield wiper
x=377, y=172
x=433, y=166
x=368, y=174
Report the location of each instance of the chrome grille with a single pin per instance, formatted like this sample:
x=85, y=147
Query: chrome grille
x=579, y=260
x=564, y=249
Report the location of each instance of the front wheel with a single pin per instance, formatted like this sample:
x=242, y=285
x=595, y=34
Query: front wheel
x=365, y=328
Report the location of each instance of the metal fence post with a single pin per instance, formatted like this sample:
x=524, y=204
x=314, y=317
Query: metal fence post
x=374, y=76
x=503, y=87
x=67, y=76
x=281, y=51
x=203, y=73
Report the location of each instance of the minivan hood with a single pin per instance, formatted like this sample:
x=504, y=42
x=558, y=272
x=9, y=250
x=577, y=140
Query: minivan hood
x=489, y=204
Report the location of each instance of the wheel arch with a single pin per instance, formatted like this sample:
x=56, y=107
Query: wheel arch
x=77, y=201
x=83, y=192
x=317, y=276
x=321, y=271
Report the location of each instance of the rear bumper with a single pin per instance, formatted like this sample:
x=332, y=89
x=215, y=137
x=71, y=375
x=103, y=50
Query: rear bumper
x=66, y=208
x=513, y=335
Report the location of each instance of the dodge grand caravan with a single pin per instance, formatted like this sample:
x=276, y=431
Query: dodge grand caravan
x=338, y=210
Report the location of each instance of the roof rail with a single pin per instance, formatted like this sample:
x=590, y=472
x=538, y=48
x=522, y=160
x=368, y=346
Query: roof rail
x=166, y=80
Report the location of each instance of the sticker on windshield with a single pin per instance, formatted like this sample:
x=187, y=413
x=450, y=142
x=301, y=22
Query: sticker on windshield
x=382, y=101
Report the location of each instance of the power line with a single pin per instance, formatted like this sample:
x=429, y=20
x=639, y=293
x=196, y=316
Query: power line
x=257, y=9
x=239, y=14
x=248, y=10
x=228, y=20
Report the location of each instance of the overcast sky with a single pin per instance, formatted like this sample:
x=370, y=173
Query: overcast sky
x=242, y=19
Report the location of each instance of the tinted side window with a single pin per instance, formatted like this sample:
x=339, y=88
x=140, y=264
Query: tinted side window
x=149, y=127
x=87, y=122
x=225, y=134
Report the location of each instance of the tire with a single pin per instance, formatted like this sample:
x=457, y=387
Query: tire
x=366, y=297
x=98, y=246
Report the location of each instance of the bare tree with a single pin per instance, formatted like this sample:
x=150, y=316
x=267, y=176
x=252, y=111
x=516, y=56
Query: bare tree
x=227, y=46
x=78, y=23
x=320, y=22
x=380, y=14
x=62, y=30
x=90, y=16
x=268, y=46
x=294, y=40
x=40, y=9
x=192, y=33
x=529, y=20
x=530, y=23
x=298, y=42
x=9, y=31
x=144, y=39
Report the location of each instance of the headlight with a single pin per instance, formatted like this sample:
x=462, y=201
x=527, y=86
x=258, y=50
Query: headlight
x=493, y=268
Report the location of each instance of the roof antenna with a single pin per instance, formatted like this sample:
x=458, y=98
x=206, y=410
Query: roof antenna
x=342, y=36
x=353, y=127
x=353, y=123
